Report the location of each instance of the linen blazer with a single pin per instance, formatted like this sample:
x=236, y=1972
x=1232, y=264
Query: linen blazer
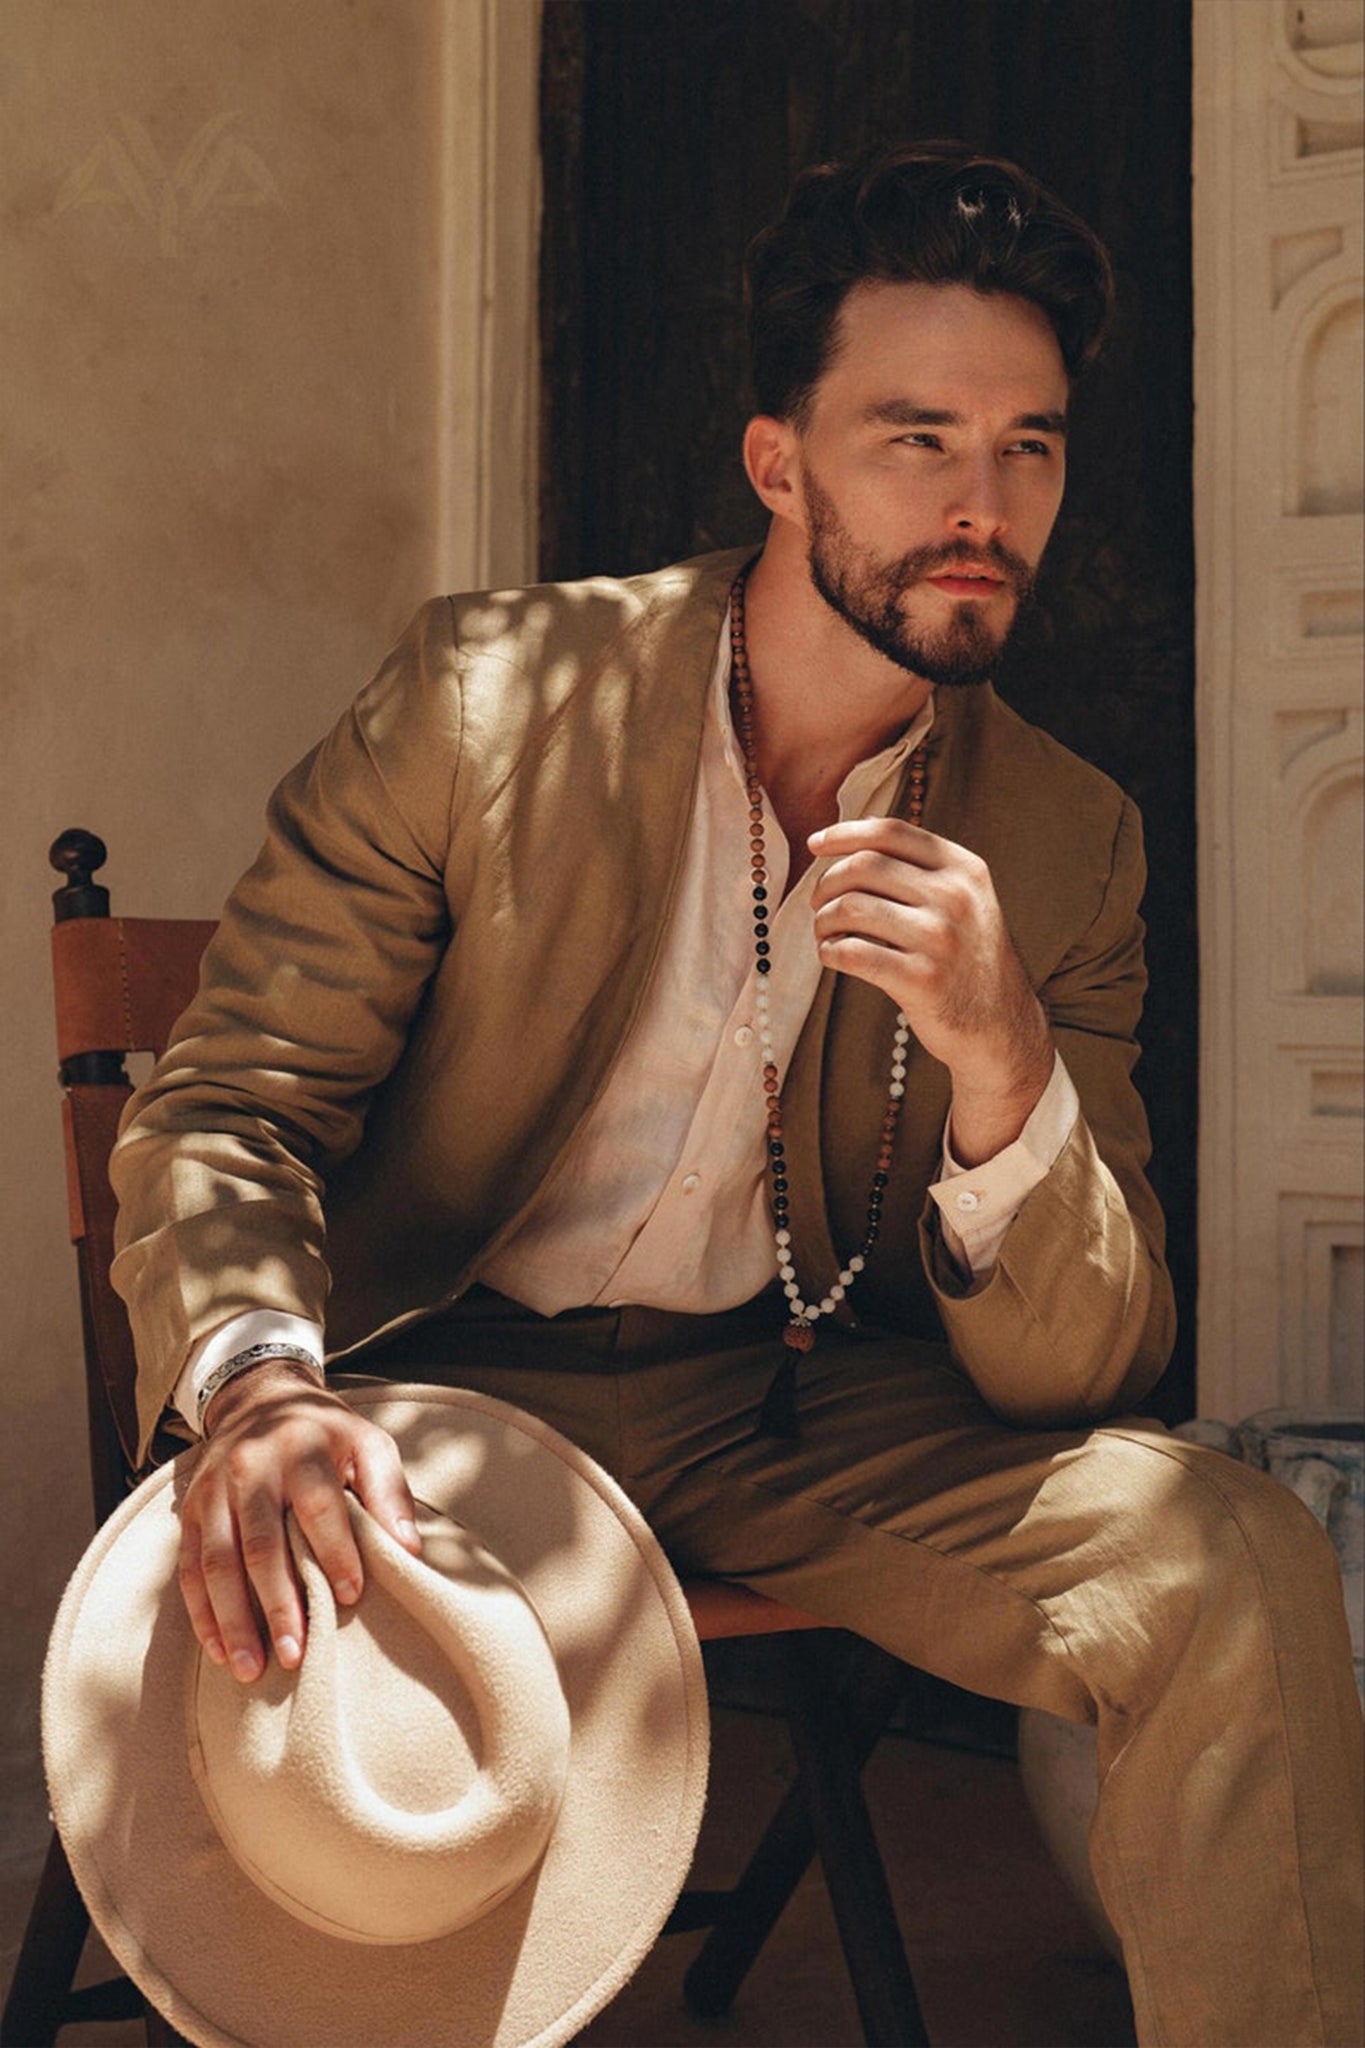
x=419, y=988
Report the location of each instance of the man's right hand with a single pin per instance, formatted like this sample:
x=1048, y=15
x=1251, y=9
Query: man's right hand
x=277, y=1440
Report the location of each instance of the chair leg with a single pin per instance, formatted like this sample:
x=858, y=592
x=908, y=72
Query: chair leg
x=854, y=1872
x=48, y=1957
x=814, y=1814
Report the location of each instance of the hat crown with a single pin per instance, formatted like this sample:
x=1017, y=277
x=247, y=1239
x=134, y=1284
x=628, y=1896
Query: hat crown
x=407, y=1776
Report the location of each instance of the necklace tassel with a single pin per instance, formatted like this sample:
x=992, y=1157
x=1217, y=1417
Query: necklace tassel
x=778, y=1416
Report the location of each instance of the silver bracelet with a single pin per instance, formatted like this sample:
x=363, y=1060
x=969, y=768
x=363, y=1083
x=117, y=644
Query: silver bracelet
x=242, y=1361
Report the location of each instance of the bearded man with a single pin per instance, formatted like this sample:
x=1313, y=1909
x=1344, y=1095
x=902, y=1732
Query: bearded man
x=645, y=973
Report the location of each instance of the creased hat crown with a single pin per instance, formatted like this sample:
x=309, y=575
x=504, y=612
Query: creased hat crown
x=408, y=1775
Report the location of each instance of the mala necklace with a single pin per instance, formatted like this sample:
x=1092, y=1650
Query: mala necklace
x=803, y=1315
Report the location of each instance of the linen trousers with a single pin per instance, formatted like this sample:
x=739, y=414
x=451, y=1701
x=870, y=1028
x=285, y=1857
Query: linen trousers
x=1188, y=1606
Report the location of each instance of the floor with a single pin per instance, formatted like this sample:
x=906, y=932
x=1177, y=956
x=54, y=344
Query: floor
x=1001, y=1956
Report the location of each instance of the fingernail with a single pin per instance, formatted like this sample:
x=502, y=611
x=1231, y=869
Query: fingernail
x=244, y=1664
x=287, y=1650
x=214, y=1651
x=347, y=1590
x=407, y=1533
x=814, y=838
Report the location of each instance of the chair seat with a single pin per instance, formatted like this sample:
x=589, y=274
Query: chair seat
x=722, y=1608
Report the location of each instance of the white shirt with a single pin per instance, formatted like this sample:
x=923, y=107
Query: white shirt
x=660, y=1199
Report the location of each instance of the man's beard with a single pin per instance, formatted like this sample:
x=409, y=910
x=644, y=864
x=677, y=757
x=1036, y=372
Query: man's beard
x=867, y=596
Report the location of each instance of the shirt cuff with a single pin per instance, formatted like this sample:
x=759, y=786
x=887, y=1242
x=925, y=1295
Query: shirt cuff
x=241, y=1333
x=978, y=1204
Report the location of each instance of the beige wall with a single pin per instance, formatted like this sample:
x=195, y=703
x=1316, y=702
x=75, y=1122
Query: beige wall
x=258, y=340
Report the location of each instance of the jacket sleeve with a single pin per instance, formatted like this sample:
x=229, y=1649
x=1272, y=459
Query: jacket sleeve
x=1076, y=1319
x=321, y=957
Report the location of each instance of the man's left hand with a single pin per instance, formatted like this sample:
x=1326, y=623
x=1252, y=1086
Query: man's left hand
x=918, y=916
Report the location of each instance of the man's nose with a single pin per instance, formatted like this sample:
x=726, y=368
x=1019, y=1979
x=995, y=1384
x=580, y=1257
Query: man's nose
x=978, y=505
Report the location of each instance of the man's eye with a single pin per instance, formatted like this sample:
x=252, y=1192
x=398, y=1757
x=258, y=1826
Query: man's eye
x=920, y=440
x=1030, y=448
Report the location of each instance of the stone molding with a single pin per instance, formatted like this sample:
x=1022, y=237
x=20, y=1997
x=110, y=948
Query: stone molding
x=487, y=226
x=1279, y=275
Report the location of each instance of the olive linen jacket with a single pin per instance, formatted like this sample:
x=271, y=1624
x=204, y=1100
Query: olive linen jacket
x=420, y=986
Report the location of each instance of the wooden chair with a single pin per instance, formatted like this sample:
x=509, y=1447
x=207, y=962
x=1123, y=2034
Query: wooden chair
x=120, y=984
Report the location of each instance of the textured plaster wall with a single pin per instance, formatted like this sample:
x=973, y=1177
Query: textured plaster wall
x=219, y=428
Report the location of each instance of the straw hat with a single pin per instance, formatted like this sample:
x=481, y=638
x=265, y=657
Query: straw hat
x=463, y=1820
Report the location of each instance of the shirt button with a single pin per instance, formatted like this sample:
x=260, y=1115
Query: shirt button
x=968, y=1199
x=691, y=1182
x=744, y=1035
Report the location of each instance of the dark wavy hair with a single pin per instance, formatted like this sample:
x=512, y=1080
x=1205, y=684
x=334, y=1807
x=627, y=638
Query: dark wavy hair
x=926, y=213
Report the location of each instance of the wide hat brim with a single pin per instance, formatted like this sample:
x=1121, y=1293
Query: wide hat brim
x=220, y=1958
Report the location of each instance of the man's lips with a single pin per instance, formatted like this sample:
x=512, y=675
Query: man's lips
x=967, y=583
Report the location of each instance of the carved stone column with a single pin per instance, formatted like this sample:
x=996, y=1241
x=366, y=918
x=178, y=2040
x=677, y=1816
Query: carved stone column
x=1278, y=493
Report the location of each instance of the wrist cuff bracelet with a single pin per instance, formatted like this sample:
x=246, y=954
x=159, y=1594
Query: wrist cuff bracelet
x=242, y=1361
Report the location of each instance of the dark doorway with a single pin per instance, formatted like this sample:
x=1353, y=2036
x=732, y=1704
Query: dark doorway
x=671, y=129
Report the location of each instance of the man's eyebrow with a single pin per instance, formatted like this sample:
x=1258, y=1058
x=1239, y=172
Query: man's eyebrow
x=904, y=412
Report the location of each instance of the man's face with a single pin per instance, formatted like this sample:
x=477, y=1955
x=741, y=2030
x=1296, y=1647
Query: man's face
x=931, y=468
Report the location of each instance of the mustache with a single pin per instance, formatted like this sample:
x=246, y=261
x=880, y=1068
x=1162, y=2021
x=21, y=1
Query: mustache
x=938, y=561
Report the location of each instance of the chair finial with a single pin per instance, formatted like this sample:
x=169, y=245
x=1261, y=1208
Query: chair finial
x=76, y=854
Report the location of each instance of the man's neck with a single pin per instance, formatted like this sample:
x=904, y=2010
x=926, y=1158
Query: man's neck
x=824, y=700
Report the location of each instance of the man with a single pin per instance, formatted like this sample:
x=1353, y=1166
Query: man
x=644, y=972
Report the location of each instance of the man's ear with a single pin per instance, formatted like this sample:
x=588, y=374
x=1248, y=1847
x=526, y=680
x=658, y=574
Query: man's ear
x=772, y=464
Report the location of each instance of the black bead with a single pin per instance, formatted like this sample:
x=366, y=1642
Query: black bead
x=780, y=1184
x=763, y=966
x=879, y=1180
x=760, y=893
x=775, y=1147
x=762, y=948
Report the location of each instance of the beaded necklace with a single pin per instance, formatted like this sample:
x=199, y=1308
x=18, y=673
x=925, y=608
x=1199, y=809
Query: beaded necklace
x=803, y=1315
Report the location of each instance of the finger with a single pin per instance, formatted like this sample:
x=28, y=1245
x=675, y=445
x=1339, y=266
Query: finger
x=195, y=1595
x=894, y=836
x=904, y=927
x=883, y=966
x=270, y=1569
x=875, y=874
x=317, y=1496
x=229, y=1594
x=381, y=1486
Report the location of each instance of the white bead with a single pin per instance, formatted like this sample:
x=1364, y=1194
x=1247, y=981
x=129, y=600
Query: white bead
x=827, y=1305
x=898, y=1071
x=896, y=1090
x=799, y=1309
x=902, y=1020
x=839, y=1289
x=856, y=1263
x=793, y=1294
x=784, y=1237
